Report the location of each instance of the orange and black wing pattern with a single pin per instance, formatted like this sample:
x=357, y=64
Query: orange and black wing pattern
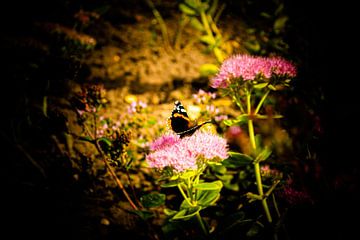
x=180, y=122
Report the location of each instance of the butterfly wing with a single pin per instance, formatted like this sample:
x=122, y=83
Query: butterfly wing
x=179, y=120
x=180, y=123
x=191, y=130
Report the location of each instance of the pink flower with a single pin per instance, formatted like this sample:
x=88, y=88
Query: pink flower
x=187, y=153
x=164, y=141
x=136, y=106
x=234, y=131
x=220, y=118
x=203, y=97
x=249, y=68
x=281, y=67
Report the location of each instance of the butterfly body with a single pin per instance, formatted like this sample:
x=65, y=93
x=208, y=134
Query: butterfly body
x=180, y=122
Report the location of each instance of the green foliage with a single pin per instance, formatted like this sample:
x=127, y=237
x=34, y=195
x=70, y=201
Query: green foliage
x=202, y=15
x=237, y=160
x=264, y=42
x=153, y=200
x=263, y=155
x=208, y=69
x=145, y=215
x=170, y=184
x=241, y=119
x=186, y=213
x=217, y=185
x=207, y=198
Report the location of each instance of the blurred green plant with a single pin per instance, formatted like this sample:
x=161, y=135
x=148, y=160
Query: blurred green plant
x=107, y=137
x=271, y=39
x=203, y=16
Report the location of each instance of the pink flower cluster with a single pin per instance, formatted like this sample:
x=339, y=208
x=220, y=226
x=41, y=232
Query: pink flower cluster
x=183, y=154
x=203, y=97
x=251, y=67
x=136, y=106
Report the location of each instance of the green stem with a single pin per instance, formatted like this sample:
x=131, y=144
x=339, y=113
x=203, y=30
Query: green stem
x=219, y=12
x=258, y=179
x=250, y=122
x=256, y=164
x=275, y=205
x=184, y=195
x=184, y=20
x=162, y=24
x=113, y=175
x=251, y=134
x=260, y=190
x=133, y=189
x=214, y=27
x=261, y=101
x=237, y=98
x=202, y=224
x=248, y=102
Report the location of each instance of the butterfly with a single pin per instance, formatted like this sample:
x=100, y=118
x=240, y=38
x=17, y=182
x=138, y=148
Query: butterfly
x=180, y=122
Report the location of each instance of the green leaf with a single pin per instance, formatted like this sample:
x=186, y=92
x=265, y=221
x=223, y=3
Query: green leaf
x=253, y=231
x=216, y=185
x=187, y=10
x=220, y=169
x=260, y=116
x=207, y=39
x=232, y=186
x=219, y=54
x=192, y=3
x=185, y=205
x=233, y=163
x=197, y=24
x=265, y=15
x=153, y=200
x=186, y=214
x=270, y=86
x=144, y=214
x=169, y=212
x=203, y=6
x=260, y=85
x=258, y=141
x=213, y=8
x=188, y=174
x=170, y=184
x=263, y=155
x=242, y=159
x=45, y=106
x=280, y=24
x=224, y=178
x=105, y=140
x=279, y=9
x=206, y=198
x=229, y=122
x=208, y=69
x=86, y=138
x=253, y=46
x=243, y=118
